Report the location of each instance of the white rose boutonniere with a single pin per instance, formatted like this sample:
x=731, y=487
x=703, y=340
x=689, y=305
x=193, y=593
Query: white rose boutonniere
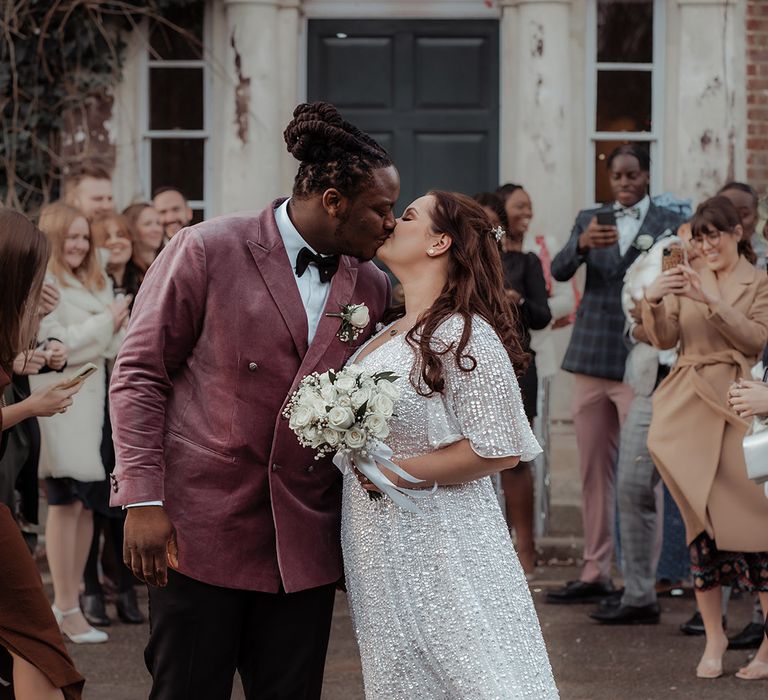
x=644, y=242
x=354, y=318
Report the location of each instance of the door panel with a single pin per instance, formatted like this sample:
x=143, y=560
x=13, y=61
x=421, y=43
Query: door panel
x=428, y=90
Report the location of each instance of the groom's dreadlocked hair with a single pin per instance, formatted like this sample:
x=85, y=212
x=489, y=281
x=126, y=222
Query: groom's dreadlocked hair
x=332, y=152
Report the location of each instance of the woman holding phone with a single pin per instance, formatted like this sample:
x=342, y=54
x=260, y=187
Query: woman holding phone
x=90, y=323
x=718, y=315
x=33, y=659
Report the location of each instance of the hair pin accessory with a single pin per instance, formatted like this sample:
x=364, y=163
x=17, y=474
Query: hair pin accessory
x=498, y=233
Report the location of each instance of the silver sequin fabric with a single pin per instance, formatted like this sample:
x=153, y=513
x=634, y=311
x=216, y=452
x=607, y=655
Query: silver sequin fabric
x=439, y=601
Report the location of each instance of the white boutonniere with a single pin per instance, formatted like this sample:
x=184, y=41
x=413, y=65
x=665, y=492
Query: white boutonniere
x=354, y=318
x=644, y=242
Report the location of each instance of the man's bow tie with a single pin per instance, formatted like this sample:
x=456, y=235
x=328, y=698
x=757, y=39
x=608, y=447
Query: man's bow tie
x=326, y=264
x=634, y=212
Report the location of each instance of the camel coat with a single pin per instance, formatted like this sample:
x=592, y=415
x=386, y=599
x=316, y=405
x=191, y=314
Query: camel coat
x=695, y=438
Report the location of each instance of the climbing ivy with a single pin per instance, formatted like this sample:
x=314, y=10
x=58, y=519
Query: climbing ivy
x=56, y=56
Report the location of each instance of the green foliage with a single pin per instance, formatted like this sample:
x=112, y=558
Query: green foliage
x=56, y=55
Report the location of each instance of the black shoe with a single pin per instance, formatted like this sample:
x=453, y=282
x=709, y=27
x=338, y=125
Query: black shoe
x=628, y=615
x=751, y=637
x=612, y=600
x=580, y=592
x=92, y=605
x=128, y=608
x=695, y=626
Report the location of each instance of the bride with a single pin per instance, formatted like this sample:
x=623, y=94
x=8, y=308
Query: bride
x=439, y=601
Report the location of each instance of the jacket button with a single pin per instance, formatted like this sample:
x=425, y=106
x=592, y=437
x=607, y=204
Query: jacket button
x=252, y=366
x=311, y=468
x=275, y=467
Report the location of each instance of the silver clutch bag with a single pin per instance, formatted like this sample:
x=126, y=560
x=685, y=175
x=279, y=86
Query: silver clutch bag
x=756, y=452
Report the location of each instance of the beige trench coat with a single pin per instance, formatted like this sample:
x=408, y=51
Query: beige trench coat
x=695, y=438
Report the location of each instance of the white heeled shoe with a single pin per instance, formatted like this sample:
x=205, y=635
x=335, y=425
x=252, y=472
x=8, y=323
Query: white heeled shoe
x=92, y=636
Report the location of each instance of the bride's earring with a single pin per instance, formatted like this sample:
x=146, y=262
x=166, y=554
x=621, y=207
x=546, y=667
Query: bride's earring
x=431, y=251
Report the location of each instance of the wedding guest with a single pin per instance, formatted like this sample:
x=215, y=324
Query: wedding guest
x=113, y=233
x=526, y=288
x=147, y=231
x=34, y=664
x=175, y=212
x=596, y=354
x=89, y=321
x=90, y=190
x=719, y=317
x=745, y=199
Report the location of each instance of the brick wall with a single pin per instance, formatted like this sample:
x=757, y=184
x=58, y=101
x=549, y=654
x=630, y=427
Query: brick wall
x=757, y=94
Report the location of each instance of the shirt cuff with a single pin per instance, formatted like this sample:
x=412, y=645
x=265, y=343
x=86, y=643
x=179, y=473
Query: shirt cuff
x=143, y=503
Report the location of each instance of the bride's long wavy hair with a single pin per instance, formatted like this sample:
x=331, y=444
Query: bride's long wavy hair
x=475, y=285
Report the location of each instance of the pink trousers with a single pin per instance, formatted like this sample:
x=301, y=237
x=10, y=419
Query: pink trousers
x=599, y=408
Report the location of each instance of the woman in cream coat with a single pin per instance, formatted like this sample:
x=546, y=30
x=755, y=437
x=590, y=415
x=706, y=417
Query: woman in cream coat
x=89, y=322
x=719, y=317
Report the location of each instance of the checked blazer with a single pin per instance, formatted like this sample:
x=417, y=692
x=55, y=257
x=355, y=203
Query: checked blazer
x=597, y=346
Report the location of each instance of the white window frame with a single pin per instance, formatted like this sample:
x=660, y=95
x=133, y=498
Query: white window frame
x=148, y=135
x=654, y=138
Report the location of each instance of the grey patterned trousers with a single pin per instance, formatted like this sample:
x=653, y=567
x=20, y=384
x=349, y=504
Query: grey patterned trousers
x=636, y=479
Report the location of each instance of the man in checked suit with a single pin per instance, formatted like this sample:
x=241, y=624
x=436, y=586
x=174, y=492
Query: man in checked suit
x=597, y=353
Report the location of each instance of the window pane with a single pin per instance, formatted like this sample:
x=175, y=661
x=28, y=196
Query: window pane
x=179, y=163
x=623, y=101
x=183, y=39
x=176, y=98
x=625, y=31
x=602, y=180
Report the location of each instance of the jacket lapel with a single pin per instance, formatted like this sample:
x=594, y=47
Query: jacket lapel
x=269, y=254
x=739, y=282
x=651, y=226
x=342, y=286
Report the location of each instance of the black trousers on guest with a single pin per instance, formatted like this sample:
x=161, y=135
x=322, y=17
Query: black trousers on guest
x=201, y=634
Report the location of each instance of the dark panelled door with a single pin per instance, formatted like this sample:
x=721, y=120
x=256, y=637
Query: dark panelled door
x=428, y=91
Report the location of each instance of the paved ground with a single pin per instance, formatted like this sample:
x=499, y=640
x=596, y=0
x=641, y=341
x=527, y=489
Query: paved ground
x=591, y=662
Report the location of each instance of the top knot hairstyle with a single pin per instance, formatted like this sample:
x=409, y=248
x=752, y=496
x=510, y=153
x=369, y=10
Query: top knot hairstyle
x=333, y=153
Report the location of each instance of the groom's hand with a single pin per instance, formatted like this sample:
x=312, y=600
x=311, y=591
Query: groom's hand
x=149, y=537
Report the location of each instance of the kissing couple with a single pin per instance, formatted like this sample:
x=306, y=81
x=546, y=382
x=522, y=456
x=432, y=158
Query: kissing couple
x=235, y=526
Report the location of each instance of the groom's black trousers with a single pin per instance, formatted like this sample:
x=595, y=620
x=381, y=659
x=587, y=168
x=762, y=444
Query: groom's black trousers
x=201, y=634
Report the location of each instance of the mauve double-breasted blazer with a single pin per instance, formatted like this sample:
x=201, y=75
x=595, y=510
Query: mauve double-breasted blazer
x=216, y=344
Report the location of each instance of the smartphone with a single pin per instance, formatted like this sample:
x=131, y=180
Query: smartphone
x=80, y=376
x=606, y=217
x=672, y=257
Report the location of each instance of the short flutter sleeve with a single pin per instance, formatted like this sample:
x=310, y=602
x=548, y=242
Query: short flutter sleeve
x=483, y=406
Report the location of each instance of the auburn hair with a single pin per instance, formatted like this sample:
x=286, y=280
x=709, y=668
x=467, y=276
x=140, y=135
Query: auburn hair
x=55, y=221
x=24, y=253
x=721, y=214
x=475, y=286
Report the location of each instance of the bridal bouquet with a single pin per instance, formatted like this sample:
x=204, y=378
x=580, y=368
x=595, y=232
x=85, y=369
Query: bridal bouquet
x=347, y=413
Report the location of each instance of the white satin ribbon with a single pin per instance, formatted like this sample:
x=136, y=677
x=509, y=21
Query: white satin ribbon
x=368, y=465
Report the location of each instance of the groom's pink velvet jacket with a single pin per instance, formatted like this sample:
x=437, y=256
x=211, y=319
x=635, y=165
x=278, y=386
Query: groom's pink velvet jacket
x=216, y=345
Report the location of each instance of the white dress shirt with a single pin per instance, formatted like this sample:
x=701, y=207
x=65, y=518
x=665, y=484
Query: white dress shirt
x=314, y=293
x=629, y=226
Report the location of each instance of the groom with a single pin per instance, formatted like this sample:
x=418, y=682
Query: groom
x=229, y=319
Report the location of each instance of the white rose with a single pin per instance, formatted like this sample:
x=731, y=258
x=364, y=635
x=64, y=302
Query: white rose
x=318, y=406
x=360, y=317
x=301, y=417
x=344, y=401
x=382, y=404
x=360, y=397
x=355, y=439
x=377, y=425
x=332, y=437
x=340, y=418
x=325, y=380
x=313, y=436
x=346, y=383
x=389, y=390
x=328, y=394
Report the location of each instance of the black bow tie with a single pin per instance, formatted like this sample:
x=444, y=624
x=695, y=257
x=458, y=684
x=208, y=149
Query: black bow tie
x=634, y=212
x=326, y=264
